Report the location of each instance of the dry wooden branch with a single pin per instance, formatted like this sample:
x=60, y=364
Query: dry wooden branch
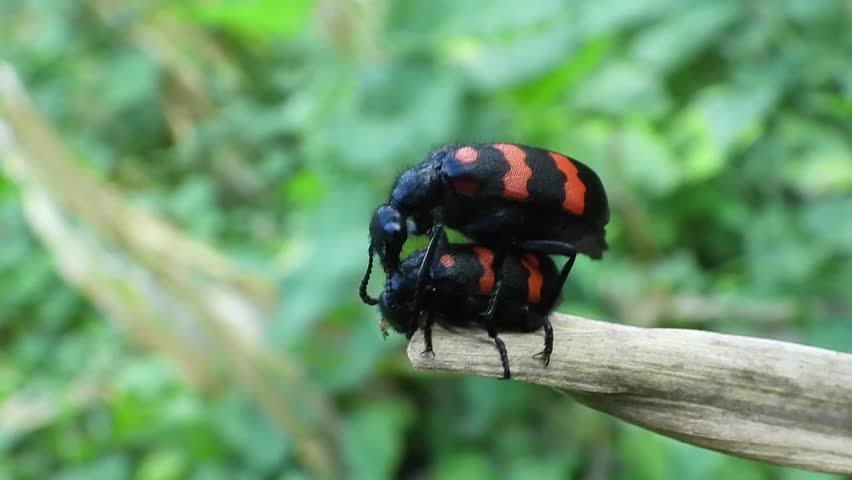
x=773, y=401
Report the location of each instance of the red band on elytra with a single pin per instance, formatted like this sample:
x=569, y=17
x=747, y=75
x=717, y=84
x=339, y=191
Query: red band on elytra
x=575, y=189
x=516, y=179
x=486, y=259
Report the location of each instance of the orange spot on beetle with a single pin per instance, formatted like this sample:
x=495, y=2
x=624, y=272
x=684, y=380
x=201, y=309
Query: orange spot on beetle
x=486, y=259
x=447, y=260
x=575, y=189
x=467, y=154
x=535, y=280
x=516, y=179
x=466, y=186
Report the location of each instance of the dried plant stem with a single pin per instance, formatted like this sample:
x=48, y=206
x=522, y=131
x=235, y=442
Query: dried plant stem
x=768, y=400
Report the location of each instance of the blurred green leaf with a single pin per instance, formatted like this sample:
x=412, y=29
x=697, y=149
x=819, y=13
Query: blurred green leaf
x=691, y=29
x=250, y=434
x=163, y=465
x=796, y=474
x=823, y=170
x=110, y=467
x=830, y=222
x=721, y=119
x=745, y=469
x=255, y=18
x=647, y=161
x=304, y=189
x=498, y=66
x=374, y=438
x=537, y=469
x=613, y=15
x=623, y=88
x=830, y=334
x=465, y=465
x=129, y=82
x=644, y=454
x=552, y=87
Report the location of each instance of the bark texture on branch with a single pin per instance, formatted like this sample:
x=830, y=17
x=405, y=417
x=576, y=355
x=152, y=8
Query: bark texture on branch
x=768, y=400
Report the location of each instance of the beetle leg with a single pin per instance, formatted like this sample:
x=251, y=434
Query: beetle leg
x=426, y=266
x=427, y=335
x=551, y=248
x=548, y=247
x=504, y=355
x=497, y=266
x=488, y=315
x=548, y=343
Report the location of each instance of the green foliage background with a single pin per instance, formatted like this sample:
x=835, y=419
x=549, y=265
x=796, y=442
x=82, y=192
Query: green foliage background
x=721, y=130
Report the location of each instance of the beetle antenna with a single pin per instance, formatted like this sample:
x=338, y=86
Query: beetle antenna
x=362, y=290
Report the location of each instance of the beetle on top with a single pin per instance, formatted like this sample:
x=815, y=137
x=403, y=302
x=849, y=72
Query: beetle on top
x=501, y=195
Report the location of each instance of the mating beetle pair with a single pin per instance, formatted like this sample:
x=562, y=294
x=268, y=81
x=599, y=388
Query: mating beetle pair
x=516, y=202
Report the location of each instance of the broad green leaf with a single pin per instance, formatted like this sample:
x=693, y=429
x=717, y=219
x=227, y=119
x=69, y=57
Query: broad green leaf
x=721, y=120
x=374, y=438
x=254, y=18
x=622, y=87
x=647, y=161
x=163, y=465
x=108, y=467
x=465, y=465
x=692, y=29
x=643, y=454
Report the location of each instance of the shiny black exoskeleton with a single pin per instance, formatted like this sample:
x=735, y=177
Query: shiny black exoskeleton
x=457, y=288
x=504, y=196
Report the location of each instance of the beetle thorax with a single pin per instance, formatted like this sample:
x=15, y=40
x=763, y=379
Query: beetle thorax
x=418, y=189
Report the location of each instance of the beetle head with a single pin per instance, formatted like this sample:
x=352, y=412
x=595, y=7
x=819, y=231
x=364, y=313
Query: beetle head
x=396, y=304
x=388, y=232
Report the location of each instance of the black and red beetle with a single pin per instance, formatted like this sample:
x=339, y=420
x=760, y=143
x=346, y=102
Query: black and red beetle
x=504, y=196
x=457, y=288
